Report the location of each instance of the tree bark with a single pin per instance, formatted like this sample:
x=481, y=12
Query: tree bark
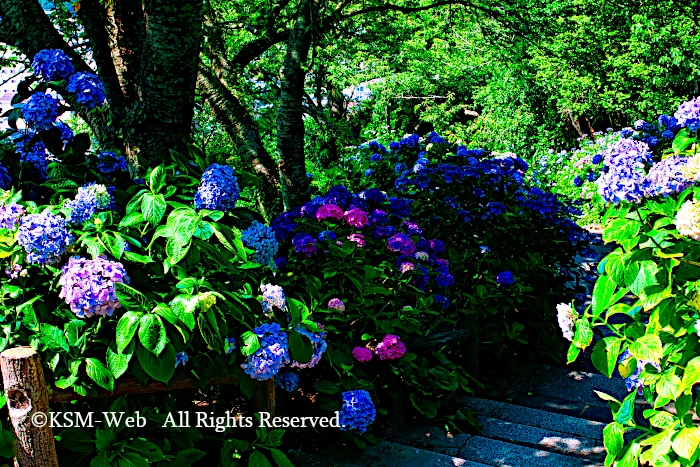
x=290, y=116
x=25, y=388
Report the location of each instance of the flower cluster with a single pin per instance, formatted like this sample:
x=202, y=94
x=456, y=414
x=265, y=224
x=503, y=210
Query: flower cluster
x=108, y=162
x=272, y=297
x=625, y=162
x=40, y=111
x=44, y=237
x=633, y=381
x=9, y=216
x=52, y=65
x=358, y=411
x=287, y=380
x=272, y=355
x=88, y=285
x=219, y=189
x=362, y=354
x=90, y=199
x=261, y=238
x=505, y=278
x=390, y=348
x=87, y=88
x=565, y=318
x=319, y=343
x=688, y=114
x=688, y=220
x=666, y=177
x=336, y=304
x=304, y=243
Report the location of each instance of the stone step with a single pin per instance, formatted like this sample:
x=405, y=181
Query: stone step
x=538, y=438
x=501, y=454
x=383, y=454
x=537, y=418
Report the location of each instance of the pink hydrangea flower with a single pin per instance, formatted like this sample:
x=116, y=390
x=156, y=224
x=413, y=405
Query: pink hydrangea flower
x=362, y=354
x=390, y=348
x=357, y=238
x=356, y=217
x=329, y=210
x=336, y=304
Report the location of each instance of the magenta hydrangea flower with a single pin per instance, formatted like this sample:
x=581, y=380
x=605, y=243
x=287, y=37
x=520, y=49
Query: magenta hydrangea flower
x=402, y=243
x=390, y=348
x=88, y=285
x=362, y=354
x=336, y=304
x=357, y=238
x=356, y=217
x=329, y=210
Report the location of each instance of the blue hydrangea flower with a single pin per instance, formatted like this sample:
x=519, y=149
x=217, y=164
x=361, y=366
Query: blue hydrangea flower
x=52, y=65
x=375, y=157
x=578, y=181
x=44, y=237
x=505, y=278
x=373, y=195
x=230, y=345
x=666, y=177
x=369, y=172
x=326, y=236
x=40, y=111
x=272, y=355
x=410, y=141
x=91, y=198
x=304, y=243
x=219, y=189
x=181, y=358
x=597, y=159
x=394, y=146
x=66, y=132
x=283, y=226
x=5, y=179
x=400, y=207
x=88, y=285
x=400, y=168
x=272, y=297
x=445, y=279
x=87, y=88
x=688, y=114
x=280, y=262
x=9, y=216
x=433, y=137
x=287, y=380
x=441, y=300
x=262, y=239
x=319, y=343
x=35, y=155
x=667, y=134
x=108, y=162
x=626, y=160
x=358, y=411
x=338, y=195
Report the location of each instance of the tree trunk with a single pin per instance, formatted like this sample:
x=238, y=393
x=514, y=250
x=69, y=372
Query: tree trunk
x=290, y=117
x=27, y=399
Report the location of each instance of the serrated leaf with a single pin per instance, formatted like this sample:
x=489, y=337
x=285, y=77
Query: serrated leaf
x=258, y=459
x=613, y=438
x=126, y=328
x=153, y=208
x=647, y=348
x=161, y=367
x=130, y=298
x=118, y=362
x=686, y=442
x=668, y=385
x=157, y=179
x=99, y=373
x=152, y=333
x=691, y=374
x=605, y=355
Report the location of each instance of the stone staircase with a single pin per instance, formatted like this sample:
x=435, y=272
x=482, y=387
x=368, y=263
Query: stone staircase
x=548, y=417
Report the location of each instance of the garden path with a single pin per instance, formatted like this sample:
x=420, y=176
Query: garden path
x=545, y=416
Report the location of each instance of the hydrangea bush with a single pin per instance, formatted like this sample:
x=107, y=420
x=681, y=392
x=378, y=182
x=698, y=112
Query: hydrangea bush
x=644, y=320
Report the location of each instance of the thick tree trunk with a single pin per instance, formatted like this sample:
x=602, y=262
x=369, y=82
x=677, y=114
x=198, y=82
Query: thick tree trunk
x=237, y=122
x=290, y=117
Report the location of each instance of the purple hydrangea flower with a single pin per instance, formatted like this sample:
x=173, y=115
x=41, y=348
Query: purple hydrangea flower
x=108, y=162
x=272, y=355
x=52, y=65
x=40, y=111
x=688, y=114
x=329, y=211
x=287, y=380
x=283, y=226
x=280, y=262
x=304, y=243
x=358, y=411
x=402, y=243
x=9, y=216
x=362, y=354
x=626, y=160
x=437, y=245
x=390, y=348
x=412, y=228
x=319, y=343
x=219, y=189
x=88, y=285
x=666, y=177
x=272, y=297
x=261, y=238
x=445, y=279
x=44, y=237
x=356, y=218
x=87, y=88
x=336, y=304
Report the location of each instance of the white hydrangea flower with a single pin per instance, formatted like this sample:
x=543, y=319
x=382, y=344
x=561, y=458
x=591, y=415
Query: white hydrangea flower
x=697, y=327
x=688, y=220
x=565, y=317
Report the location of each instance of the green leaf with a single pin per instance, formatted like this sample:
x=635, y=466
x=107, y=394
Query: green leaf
x=165, y=312
x=209, y=329
x=605, y=355
x=602, y=294
x=126, y=328
x=647, y=348
x=691, y=374
x=572, y=353
x=153, y=208
x=130, y=298
x=53, y=337
x=669, y=385
x=176, y=251
x=118, y=361
x=157, y=179
x=152, y=333
x=134, y=218
x=162, y=367
x=327, y=387
x=99, y=373
x=104, y=438
x=251, y=343
x=621, y=229
x=131, y=459
x=686, y=442
x=72, y=330
x=258, y=459
x=584, y=334
x=682, y=141
x=626, y=411
x=301, y=348
x=114, y=243
x=136, y=258
x=613, y=438
x=281, y=458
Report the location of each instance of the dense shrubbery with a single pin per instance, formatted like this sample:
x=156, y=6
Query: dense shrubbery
x=653, y=339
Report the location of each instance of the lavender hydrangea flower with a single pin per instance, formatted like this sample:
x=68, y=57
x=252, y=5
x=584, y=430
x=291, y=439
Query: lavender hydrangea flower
x=287, y=380
x=666, y=177
x=91, y=198
x=358, y=411
x=633, y=381
x=304, y=243
x=108, y=162
x=362, y=354
x=688, y=114
x=40, y=111
x=219, y=189
x=272, y=355
x=9, y=216
x=566, y=318
x=402, y=243
x=181, y=358
x=626, y=160
x=88, y=285
x=319, y=343
x=336, y=304
x=262, y=239
x=88, y=89
x=390, y=348
x=272, y=297
x=44, y=237
x=505, y=278
x=52, y=65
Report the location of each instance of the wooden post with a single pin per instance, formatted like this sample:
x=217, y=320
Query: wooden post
x=25, y=389
x=264, y=397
